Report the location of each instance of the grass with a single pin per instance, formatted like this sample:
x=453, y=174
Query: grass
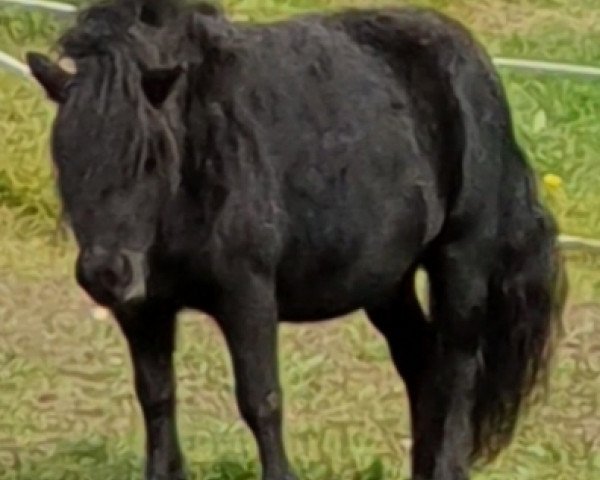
x=69, y=410
x=66, y=395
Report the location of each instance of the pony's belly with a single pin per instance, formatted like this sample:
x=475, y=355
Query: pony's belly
x=316, y=308
x=354, y=269
x=332, y=294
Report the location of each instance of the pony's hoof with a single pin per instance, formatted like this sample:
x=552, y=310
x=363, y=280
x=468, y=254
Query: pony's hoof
x=170, y=476
x=287, y=476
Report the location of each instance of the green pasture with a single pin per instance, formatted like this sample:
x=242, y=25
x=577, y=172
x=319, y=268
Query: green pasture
x=67, y=409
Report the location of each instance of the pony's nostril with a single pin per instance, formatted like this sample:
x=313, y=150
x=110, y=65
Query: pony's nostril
x=108, y=278
x=117, y=274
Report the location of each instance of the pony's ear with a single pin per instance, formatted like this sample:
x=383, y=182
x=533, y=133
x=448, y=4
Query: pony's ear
x=51, y=76
x=158, y=83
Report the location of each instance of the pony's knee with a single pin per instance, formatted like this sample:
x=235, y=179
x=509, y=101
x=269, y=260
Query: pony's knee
x=257, y=410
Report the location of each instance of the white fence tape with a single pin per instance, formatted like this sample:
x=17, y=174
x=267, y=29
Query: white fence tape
x=13, y=65
x=57, y=7
x=548, y=67
x=568, y=242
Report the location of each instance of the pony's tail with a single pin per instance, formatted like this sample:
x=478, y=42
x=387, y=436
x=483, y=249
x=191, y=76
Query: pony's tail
x=527, y=293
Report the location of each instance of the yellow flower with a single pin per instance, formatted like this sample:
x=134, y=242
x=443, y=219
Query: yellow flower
x=552, y=181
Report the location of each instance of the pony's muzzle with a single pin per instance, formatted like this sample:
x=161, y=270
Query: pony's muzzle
x=112, y=278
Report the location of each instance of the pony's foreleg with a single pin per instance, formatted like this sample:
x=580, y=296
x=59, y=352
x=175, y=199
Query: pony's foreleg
x=150, y=333
x=248, y=318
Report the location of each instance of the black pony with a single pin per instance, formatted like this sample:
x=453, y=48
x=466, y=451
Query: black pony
x=302, y=170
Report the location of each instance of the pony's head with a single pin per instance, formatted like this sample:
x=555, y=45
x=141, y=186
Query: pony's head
x=115, y=143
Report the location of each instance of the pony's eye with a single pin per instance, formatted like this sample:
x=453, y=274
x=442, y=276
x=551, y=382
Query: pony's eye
x=150, y=165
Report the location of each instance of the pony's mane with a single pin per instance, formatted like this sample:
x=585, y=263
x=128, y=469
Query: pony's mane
x=107, y=25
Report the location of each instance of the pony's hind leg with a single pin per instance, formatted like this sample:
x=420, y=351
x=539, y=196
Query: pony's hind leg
x=438, y=359
x=410, y=339
x=443, y=437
